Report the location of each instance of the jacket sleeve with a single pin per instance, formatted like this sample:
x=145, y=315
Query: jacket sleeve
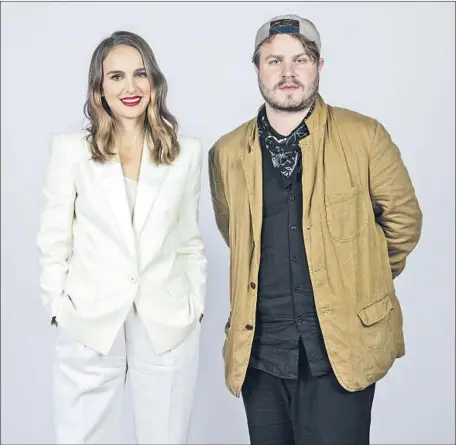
x=393, y=197
x=219, y=201
x=55, y=237
x=191, y=247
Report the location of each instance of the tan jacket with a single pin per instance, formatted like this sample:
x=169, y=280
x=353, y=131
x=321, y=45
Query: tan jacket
x=361, y=219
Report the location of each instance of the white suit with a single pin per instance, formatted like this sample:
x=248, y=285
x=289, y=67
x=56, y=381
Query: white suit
x=105, y=275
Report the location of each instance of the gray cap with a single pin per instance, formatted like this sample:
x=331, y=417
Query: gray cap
x=288, y=24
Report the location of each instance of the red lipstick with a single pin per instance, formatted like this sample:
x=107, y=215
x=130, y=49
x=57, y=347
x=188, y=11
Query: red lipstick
x=131, y=101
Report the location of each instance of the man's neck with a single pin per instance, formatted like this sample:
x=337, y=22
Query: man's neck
x=283, y=122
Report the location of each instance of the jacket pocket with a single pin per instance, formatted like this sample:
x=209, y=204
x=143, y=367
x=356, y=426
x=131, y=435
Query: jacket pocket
x=179, y=286
x=376, y=312
x=346, y=213
x=81, y=292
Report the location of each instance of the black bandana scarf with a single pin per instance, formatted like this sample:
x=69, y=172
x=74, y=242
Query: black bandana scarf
x=284, y=150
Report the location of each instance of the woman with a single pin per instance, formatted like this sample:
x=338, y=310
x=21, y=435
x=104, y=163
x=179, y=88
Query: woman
x=123, y=268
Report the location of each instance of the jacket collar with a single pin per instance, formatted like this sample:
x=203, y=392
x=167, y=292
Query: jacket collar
x=151, y=179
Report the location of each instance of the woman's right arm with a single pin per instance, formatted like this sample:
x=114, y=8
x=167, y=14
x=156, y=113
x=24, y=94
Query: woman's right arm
x=55, y=237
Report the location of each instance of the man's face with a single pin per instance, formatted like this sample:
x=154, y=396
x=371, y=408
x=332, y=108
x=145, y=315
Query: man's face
x=287, y=76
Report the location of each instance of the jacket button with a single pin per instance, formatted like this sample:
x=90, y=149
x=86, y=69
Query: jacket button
x=249, y=327
x=253, y=285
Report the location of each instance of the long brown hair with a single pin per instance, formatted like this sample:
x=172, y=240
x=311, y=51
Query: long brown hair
x=159, y=124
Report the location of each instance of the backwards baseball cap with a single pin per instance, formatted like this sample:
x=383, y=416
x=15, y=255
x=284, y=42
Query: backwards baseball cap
x=288, y=24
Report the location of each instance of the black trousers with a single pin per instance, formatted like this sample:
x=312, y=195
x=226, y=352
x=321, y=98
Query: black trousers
x=307, y=411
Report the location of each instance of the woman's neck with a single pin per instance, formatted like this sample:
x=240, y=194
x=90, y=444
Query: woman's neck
x=130, y=135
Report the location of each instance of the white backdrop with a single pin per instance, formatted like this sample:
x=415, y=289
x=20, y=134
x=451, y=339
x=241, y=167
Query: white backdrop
x=393, y=61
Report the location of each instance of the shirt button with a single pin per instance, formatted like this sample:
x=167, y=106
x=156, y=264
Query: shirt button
x=253, y=285
x=291, y=198
x=133, y=280
x=293, y=227
x=297, y=290
x=249, y=327
x=295, y=258
x=300, y=319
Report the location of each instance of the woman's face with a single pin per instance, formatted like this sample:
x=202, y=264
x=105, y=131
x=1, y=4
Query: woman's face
x=126, y=86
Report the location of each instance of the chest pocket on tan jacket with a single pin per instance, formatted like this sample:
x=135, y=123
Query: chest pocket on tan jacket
x=346, y=213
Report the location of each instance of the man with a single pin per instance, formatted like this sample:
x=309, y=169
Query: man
x=319, y=213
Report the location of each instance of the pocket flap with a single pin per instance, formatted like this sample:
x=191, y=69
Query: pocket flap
x=376, y=311
x=343, y=195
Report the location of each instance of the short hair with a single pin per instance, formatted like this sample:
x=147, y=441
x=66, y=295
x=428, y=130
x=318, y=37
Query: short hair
x=310, y=48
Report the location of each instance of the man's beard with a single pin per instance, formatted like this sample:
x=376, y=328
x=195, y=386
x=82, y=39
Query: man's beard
x=305, y=102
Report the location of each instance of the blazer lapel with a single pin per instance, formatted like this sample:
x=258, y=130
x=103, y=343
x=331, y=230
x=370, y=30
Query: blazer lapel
x=110, y=177
x=253, y=170
x=151, y=178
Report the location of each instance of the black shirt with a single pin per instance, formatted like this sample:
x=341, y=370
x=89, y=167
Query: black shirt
x=286, y=312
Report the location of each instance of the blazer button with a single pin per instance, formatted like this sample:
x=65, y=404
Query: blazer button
x=253, y=285
x=249, y=327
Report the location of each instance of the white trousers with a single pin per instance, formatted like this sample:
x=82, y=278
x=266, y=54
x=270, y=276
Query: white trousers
x=89, y=388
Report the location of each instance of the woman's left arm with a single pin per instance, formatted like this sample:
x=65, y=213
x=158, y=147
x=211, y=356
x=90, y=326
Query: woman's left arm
x=191, y=246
